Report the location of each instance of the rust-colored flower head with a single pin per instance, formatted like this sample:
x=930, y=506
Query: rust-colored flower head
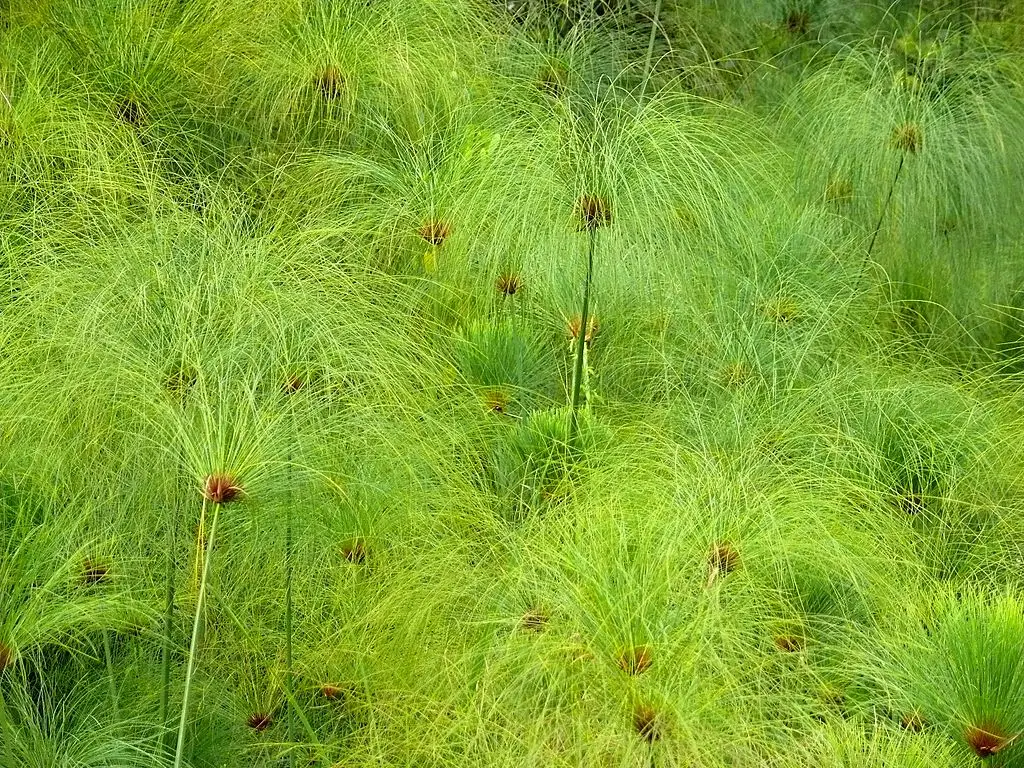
x=789, y=643
x=221, y=488
x=332, y=692
x=722, y=560
x=94, y=572
x=798, y=21
x=330, y=82
x=636, y=660
x=260, y=721
x=907, y=138
x=534, y=620
x=292, y=384
x=509, y=283
x=6, y=656
x=912, y=721
x=130, y=112
x=646, y=723
x=435, y=232
x=593, y=212
x=354, y=550
x=593, y=326
x=986, y=739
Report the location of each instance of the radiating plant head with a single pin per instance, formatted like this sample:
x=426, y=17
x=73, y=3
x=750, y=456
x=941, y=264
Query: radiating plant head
x=221, y=488
x=593, y=212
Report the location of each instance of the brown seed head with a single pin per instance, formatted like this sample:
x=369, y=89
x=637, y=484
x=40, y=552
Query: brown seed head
x=260, y=721
x=907, y=138
x=221, y=488
x=912, y=721
x=593, y=326
x=647, y=723
x=94, y=572
x=534, y=620
x=509, y=284
x=798, y=21
x=789, y=643
x=130, y=112
x=986, y=739
x=6, y=656
x=330, y=83
x=593, y=212
x=331, y=692
x=723, y=560
x=636, y=660
x=292, y=384
x=435, y=232
x=354, y=551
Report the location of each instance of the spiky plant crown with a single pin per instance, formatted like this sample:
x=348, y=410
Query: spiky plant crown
x=221, y=488
x=7, y=656
x=966, y=674
x=908, y=138
x=593, y=212
x=509, y=283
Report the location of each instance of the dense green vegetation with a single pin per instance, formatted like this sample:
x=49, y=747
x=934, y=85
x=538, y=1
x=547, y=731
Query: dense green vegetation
x=530, y=383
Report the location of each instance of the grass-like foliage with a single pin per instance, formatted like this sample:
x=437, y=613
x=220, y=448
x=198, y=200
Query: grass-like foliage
x=451, y=383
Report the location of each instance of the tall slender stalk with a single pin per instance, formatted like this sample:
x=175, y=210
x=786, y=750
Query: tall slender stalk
x=179, y=751
x=167, y=639
x=655, y=21
x=885, y=209
x=289, y=720
x=581, y=336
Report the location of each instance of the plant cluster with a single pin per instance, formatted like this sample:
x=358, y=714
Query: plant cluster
x=534, y=382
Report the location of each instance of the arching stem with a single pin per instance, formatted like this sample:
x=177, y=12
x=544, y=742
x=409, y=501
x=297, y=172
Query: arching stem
x=179, y=752
x=885, y=209
x=581, y=336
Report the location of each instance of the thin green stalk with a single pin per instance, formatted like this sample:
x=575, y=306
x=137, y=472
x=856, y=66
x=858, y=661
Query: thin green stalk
x=288, y=601
x=581, y=337
x=167, y=639
x=885, y=209
x=179, y=751
x=108, y=656
x=288, y=624
x=655, y=20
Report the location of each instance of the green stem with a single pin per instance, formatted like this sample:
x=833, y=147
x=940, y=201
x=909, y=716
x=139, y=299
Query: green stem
x=885, y=209
x=168, y=636
x=581, y=337
x=108, y=656
x=179, y=751
x=585, y=395
x=288, y=624
x=650, y=50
